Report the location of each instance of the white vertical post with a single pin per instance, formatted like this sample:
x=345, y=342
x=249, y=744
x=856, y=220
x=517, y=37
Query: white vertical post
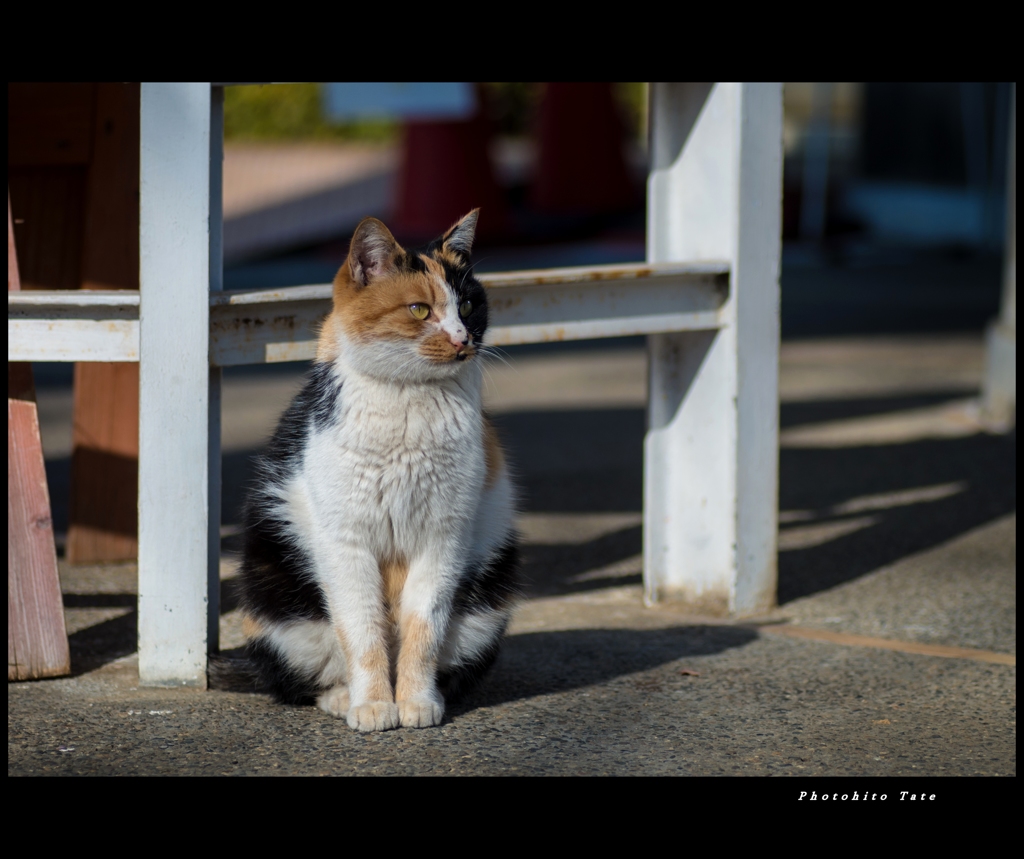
x=213, y=432
x=174, y=383
x=999, y=397
x=711, y=452
x=755, y=281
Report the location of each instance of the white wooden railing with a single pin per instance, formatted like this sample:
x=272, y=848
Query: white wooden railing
x=708, y=299
x=274, y=325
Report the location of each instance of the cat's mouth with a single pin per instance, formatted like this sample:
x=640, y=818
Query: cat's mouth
x=464, y=351
x=441, y=350
x=451, y=357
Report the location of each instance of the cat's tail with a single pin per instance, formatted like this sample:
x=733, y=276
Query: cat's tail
x=234, y=671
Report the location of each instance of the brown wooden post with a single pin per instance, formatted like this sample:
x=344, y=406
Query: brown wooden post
x=105, y=440
x=37, y=641
x=73, y=174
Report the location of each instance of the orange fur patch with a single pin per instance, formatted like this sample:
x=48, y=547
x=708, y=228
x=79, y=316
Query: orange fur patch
x=414, y=659
x=380, y=310
x=376, y=663
x=438, y=347
x=393, y=573
x=435, y=269
x=327, y=341
x=453, y=259
x=251, y=628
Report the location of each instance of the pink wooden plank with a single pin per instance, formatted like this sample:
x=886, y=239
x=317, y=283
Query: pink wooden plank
x=37, y=641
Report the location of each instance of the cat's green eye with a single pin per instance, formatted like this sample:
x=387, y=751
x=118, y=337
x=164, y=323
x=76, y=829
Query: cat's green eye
x=420, y=311
x=465, y=308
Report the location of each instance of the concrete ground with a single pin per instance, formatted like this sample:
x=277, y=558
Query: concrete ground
x=892, y=652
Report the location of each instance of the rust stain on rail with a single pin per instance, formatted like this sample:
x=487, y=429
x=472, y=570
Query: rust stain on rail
x=553, y=277
x=287, y=322
x=597, y=274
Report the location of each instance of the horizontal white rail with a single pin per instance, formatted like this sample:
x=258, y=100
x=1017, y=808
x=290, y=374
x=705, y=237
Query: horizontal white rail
x=604, y=301
x=267, y=326
x=73, y=325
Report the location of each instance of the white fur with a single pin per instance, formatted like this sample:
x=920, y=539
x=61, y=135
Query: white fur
x=469, y=636
x=335, y=701
x=396, y=478
x=311, y=647
x=400, y=474
x=495, y=518
x=449, y=319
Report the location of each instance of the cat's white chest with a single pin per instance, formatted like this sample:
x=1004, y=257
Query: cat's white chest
x=396, y=465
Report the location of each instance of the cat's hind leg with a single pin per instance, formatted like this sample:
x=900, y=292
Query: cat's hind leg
x=297, y=660
x=484, y=603
x=471, y=646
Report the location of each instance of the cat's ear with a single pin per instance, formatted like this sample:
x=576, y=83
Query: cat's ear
x=372, y=253
x=460, y=237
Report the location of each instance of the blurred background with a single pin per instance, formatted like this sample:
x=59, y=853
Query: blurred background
x=887, y=175
x=894, y=231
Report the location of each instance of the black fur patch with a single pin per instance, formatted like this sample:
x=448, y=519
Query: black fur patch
x=454, y=683
x=467, y=287
x=410, y=261
x=461, y=280
x=233, y=671
x=277, y=574
x=494, y=586
x=318, y=398
x=278, y=678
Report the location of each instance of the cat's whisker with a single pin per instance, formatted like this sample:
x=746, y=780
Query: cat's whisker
x=493, y=351
x=488, y=352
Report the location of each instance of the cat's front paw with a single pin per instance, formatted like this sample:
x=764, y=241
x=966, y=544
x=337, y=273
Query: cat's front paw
x=420, y=713
x=334, y=701
x=373, y=716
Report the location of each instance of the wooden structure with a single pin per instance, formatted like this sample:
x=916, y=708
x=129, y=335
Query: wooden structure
x=37, y=642
x=708, y=298
x=73, y=177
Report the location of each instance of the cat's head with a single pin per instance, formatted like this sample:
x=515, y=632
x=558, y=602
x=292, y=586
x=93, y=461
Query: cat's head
x=407, y=315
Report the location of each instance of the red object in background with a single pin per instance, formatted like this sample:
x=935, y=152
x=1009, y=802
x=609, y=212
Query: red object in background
x=581, y=167
x=446, y=172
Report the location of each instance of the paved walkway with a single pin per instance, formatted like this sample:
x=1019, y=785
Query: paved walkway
x=892, y=652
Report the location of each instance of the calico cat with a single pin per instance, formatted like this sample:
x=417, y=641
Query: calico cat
x=380, y=561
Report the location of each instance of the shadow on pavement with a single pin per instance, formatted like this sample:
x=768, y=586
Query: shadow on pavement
x=823, y=478
x=544, y=663
x=590, y=461
x=104, y=642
